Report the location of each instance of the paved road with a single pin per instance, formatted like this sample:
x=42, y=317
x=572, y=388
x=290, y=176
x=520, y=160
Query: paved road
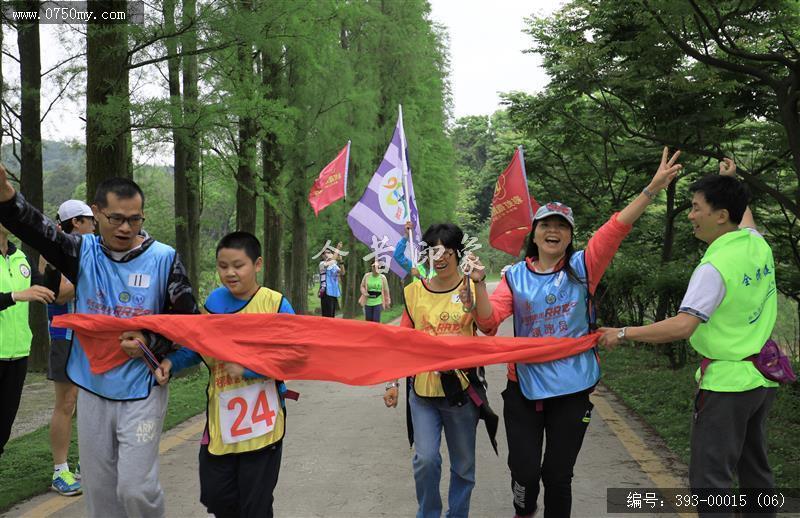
x=346, y=455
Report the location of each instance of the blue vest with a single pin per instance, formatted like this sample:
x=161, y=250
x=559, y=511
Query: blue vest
x=122, y=289
x=553, y=304
x=53, y=310
x=332, y=281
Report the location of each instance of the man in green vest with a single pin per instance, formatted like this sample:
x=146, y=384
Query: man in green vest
x=19, y=285
x=727, y=314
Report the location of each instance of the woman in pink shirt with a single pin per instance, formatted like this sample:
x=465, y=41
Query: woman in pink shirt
x=548, y=295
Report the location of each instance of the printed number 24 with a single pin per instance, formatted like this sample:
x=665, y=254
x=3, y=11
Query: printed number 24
x=261, y=412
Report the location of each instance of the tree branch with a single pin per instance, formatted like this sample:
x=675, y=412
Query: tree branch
x=58, y=65
x=58, y=96
x=706, y=58
x=196, y=52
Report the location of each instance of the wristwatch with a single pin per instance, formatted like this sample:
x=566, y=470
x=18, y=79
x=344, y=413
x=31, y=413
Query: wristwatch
x=392, y=385
x=650, y=194
x=621, y=333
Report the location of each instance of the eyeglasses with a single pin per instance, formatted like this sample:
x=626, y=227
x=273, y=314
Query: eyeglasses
x=118, y=219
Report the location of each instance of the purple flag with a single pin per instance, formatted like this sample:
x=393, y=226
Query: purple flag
x=388, y=203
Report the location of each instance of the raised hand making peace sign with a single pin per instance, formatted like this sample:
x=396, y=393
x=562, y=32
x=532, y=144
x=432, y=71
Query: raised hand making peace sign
x=667, y=171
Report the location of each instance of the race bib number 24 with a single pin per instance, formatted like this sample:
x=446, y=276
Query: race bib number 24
x=248, y=412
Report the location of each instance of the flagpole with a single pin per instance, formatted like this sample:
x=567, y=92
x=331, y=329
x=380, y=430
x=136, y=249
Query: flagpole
x=405, y=182
x=346, y=168
x=525, y=177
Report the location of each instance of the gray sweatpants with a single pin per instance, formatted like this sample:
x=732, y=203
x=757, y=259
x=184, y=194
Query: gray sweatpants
x=118, y=441
x=729, y=441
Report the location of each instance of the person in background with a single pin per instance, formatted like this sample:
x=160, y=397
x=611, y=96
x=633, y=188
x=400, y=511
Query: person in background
x=74, y=217
x=330, y=272
x=420, y=271
x=19, y=285
x=374, y=294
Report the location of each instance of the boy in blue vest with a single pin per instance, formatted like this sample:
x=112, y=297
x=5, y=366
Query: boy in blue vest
x=122, y=272
x=728, y=313
x=240, y=453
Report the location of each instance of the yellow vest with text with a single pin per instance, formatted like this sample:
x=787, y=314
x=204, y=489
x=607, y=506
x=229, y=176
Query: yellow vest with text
x=438, y=314
x=264, y=301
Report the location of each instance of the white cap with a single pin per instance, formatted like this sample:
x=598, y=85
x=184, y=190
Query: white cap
x=555, y=208
x=73, y=209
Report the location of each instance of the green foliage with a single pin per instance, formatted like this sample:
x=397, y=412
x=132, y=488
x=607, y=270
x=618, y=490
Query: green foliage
x=711, y=78
x=664, y=398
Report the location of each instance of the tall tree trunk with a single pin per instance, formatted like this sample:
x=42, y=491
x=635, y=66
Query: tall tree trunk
x=31, y=162
x=299, y=293
x=287, y=271
x=108, y=118
x=789, y=109
x=273, y=223
x=675, y=351
x=191, y=146
x=245, y=177
x=352, y=283
x=178, y=138
x=271, y=165
x=354, y=263
x=245, y=173
x=184, y=137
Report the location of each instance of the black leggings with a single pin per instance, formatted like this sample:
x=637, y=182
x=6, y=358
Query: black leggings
x=563, y=420
x=12, y=379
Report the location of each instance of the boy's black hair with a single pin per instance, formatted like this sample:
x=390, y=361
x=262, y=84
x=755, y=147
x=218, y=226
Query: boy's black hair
x=241, y=241
x=123, y=188
x=450, y=235
x=724, y=192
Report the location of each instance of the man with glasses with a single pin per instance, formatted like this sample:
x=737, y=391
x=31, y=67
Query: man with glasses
x=122, y=272
x=73, y=217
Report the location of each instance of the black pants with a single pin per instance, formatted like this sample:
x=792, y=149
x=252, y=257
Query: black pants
x=12, y=379
x=563, y=420
x=373, y=313
x=328, y=305
x=729, y=441
x=240, y=484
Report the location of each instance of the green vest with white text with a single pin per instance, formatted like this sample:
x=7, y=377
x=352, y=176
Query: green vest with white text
x=743, y=322
x=15, y=333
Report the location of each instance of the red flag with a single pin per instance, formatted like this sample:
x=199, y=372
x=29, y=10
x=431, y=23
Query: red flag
x=295, y=347
x=512, y=208
x=331, y=184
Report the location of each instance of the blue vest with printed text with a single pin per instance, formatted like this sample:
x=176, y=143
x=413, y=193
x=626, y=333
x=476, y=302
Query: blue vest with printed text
x=553, y=304
x=121, y=289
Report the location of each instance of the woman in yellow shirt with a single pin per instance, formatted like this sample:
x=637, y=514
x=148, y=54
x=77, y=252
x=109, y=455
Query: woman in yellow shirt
x=454, y=400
